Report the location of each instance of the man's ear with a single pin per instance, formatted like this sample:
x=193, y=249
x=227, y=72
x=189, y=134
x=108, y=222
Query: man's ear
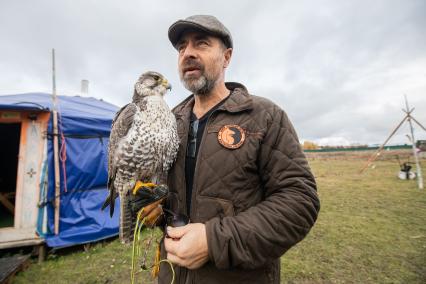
x=227, y=54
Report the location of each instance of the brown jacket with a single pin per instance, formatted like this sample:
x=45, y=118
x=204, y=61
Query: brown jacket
x=256, y=201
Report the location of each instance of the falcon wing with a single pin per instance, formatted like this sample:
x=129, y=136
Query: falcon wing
x=120, y=127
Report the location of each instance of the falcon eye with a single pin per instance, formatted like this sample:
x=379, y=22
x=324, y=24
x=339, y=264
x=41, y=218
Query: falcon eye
x=156, y=78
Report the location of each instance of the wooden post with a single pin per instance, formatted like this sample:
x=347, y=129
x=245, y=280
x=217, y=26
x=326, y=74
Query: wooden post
x=416, y=158
x=41, y=253
x=55, y=148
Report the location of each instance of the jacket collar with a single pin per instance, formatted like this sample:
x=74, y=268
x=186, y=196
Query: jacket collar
x=239, y=100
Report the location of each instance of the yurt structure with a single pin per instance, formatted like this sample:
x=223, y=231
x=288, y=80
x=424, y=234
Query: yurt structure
x=27, y=170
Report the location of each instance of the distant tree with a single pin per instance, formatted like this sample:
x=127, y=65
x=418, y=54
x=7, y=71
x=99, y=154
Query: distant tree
x=308, y=145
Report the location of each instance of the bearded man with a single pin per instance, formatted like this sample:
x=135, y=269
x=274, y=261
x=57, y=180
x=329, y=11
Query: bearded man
x=240, y=173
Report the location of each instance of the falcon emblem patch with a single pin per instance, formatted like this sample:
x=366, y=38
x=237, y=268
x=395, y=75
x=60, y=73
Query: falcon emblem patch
x=231, y=136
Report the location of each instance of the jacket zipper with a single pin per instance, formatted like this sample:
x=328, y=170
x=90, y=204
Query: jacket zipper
x=194, y=185
x=184, y=145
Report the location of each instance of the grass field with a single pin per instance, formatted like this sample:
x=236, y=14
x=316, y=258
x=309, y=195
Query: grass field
x=371, y=229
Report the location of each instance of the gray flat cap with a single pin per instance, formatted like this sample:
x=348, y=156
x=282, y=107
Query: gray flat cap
x=206, y=23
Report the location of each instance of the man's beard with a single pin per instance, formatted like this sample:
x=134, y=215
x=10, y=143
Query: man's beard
x=198, y=86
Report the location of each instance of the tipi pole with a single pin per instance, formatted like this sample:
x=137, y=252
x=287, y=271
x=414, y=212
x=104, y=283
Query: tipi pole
x=416, y=158
x=418, y=123
x=377, y=153
x=55, y=147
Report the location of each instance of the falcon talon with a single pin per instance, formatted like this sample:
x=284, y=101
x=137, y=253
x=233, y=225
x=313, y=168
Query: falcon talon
x=144, y=198
x=142, y=185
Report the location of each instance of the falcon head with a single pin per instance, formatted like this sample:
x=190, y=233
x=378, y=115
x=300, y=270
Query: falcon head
x=151, y=84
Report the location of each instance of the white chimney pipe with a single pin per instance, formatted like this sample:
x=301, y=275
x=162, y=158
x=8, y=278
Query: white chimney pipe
x=84, y=87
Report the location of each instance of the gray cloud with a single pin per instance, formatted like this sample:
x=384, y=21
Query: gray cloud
x=339, y=68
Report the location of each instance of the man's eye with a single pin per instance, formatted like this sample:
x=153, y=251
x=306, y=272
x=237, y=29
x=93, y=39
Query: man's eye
x=180, y=47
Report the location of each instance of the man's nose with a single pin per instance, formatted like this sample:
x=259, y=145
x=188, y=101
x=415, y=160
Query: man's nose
x=189, y=52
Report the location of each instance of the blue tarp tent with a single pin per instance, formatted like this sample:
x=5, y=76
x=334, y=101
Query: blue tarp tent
x=84, y=128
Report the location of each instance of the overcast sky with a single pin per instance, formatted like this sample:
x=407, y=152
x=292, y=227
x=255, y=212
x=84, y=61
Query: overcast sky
x=338, y=68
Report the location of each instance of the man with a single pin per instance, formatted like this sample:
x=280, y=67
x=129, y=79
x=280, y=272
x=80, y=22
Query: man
x=240, y=174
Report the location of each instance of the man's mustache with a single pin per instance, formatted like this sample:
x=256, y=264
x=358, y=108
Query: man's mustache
x=191, y=64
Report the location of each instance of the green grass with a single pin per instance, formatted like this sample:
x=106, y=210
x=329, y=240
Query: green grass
x=371, y=229
x=104, y=262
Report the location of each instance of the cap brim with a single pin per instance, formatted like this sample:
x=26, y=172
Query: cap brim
x=177, y=29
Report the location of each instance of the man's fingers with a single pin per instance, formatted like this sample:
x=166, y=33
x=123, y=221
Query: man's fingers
x=177, y=232
x=175, y=259
x=187, y=246
x=171, y=245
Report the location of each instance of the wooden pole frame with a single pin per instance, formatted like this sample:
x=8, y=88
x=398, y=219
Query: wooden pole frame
x=408, y=117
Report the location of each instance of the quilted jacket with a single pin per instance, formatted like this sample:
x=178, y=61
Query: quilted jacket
x=257, y=200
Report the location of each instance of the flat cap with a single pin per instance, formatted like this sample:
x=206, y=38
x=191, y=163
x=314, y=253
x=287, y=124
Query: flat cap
x=205, y=23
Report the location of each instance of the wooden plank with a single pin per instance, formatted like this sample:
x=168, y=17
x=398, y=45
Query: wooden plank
x=20, y=174
x=6, y=203
x=9, y=195
x=31, y=175
x=11, y=234
x=21, y=243
x=9, y=266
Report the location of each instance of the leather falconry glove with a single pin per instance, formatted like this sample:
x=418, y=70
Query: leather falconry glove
x=149, y=200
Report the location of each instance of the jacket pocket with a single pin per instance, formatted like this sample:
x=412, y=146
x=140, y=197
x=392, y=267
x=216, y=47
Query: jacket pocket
x=210, y=207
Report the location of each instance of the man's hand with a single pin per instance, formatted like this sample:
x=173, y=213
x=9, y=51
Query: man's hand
x=187, y=246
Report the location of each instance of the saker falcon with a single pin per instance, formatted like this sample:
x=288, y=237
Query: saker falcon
x=142, y=147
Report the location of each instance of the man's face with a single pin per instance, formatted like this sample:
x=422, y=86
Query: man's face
x=202, y=60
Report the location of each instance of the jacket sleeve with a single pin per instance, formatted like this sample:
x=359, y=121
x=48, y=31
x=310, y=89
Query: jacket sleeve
x=286, y=214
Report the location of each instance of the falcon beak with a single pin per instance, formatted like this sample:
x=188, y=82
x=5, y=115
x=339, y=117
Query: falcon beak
x=166, y=84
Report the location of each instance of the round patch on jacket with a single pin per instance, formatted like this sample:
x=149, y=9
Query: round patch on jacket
x=231, y=136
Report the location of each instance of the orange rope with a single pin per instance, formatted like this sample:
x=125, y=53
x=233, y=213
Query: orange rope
x=63, y=153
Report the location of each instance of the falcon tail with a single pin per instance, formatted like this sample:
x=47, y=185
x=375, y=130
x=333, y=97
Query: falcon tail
x=126, y=221
x=110, y=200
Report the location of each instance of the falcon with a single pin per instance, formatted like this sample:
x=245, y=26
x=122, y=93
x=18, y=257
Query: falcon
x=142, y=147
